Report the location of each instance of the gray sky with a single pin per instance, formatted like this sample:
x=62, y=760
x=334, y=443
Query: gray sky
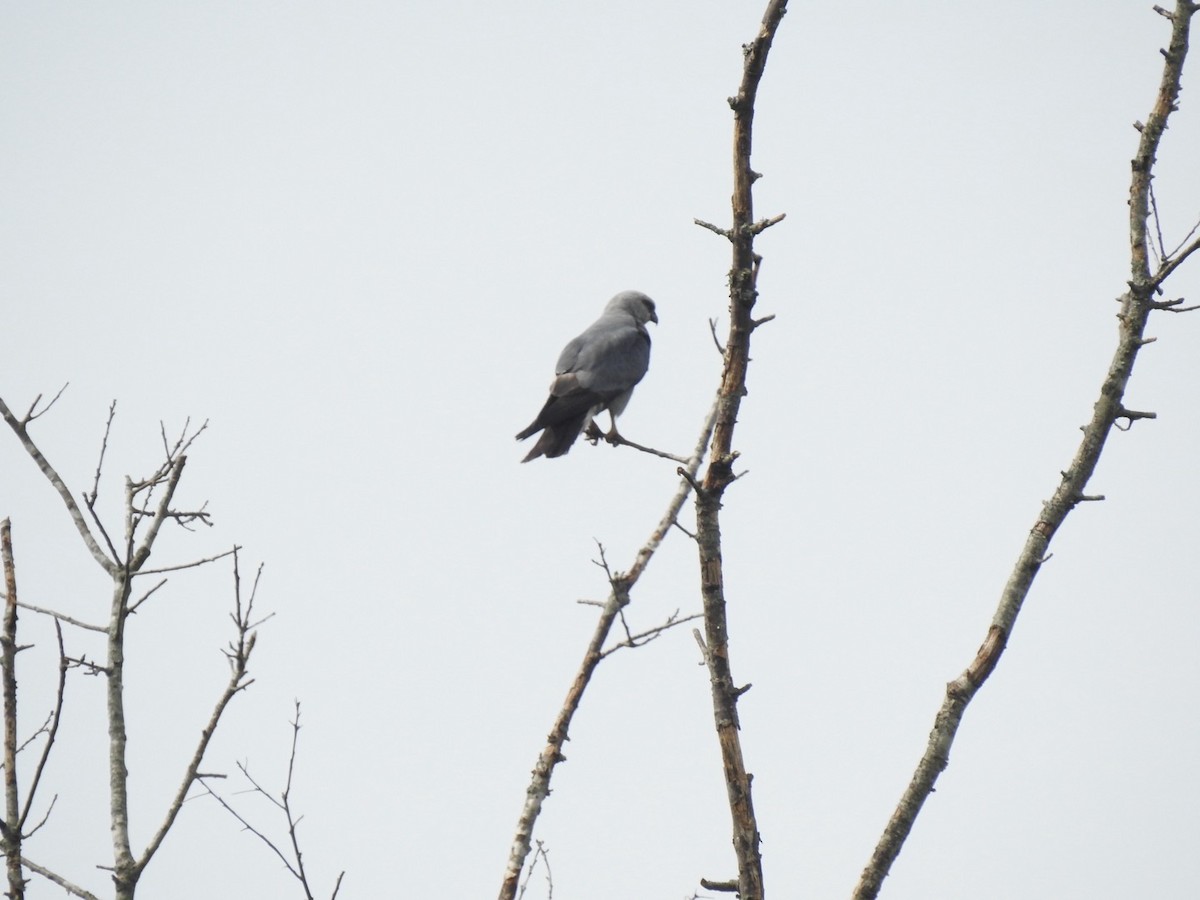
x=354, y=238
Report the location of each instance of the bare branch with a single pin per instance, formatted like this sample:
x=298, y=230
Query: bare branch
x=191, y=565
x=1187, y=237
x=239, y=655
x=1136, y=306
x=763, y=224
x=143, y=551
x=91, y=508
x=182, y=517
x=1174, y=306
x=19, y=429
x=712, y=326
x=743, y=292
x=287, y=806
x=38, y=732
x=294, y=863
x=700, y=643
x=51, y=733
x=723, y=887
x=644, y=637
x=61, y=617
x=32, y=415
x=182, y=443
x=551, y=755
x=594, y=434
x=112, y=413
x=11, y=830
x=245, y=824
x=715, y=229
x=133, y=607
x=1170, y=265
x=540, y=854
x=44, y=819
x=83, y=662
x=1160, y=246
x=90, y=500
x=72, y=889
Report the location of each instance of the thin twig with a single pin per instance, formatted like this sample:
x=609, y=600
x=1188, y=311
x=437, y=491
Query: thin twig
x=32, y=415
x=245, y=824
x=51, y=732
x=112, y=414
x=190, y=565
x=616, y=439
x=133, y=607
x=644, y=637
x=295, y=862
x=1160, y=246
x=1169, y=266
x=1187, y=237
x=712, y=326
x=544, y=855
x=61, y=617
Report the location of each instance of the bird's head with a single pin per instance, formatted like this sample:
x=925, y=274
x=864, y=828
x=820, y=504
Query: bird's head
x=635, y=304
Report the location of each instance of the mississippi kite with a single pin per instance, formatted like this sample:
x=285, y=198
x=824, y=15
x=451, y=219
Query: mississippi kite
x=596, y=371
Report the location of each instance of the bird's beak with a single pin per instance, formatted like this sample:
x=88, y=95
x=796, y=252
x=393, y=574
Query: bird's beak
x=654, y=317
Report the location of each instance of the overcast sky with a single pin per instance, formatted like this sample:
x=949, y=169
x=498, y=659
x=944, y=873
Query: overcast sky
x=354, y=236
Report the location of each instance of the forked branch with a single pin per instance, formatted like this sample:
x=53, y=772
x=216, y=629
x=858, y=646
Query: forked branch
x=618, y=599
x=293, y=861
x=20, y=429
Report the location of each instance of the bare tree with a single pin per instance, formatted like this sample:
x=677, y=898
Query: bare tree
x=718, y=427
x=148, y=504
x=1151, y=263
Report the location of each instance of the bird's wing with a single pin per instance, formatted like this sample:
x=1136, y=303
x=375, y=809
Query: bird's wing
x=595, y=371
x=607, y=359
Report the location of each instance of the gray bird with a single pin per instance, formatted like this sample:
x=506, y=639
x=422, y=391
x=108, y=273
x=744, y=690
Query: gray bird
x=596, y=371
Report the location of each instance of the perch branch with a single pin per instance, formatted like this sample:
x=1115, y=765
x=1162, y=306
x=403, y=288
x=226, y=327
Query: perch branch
x=594, y=434
x=551, y=755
